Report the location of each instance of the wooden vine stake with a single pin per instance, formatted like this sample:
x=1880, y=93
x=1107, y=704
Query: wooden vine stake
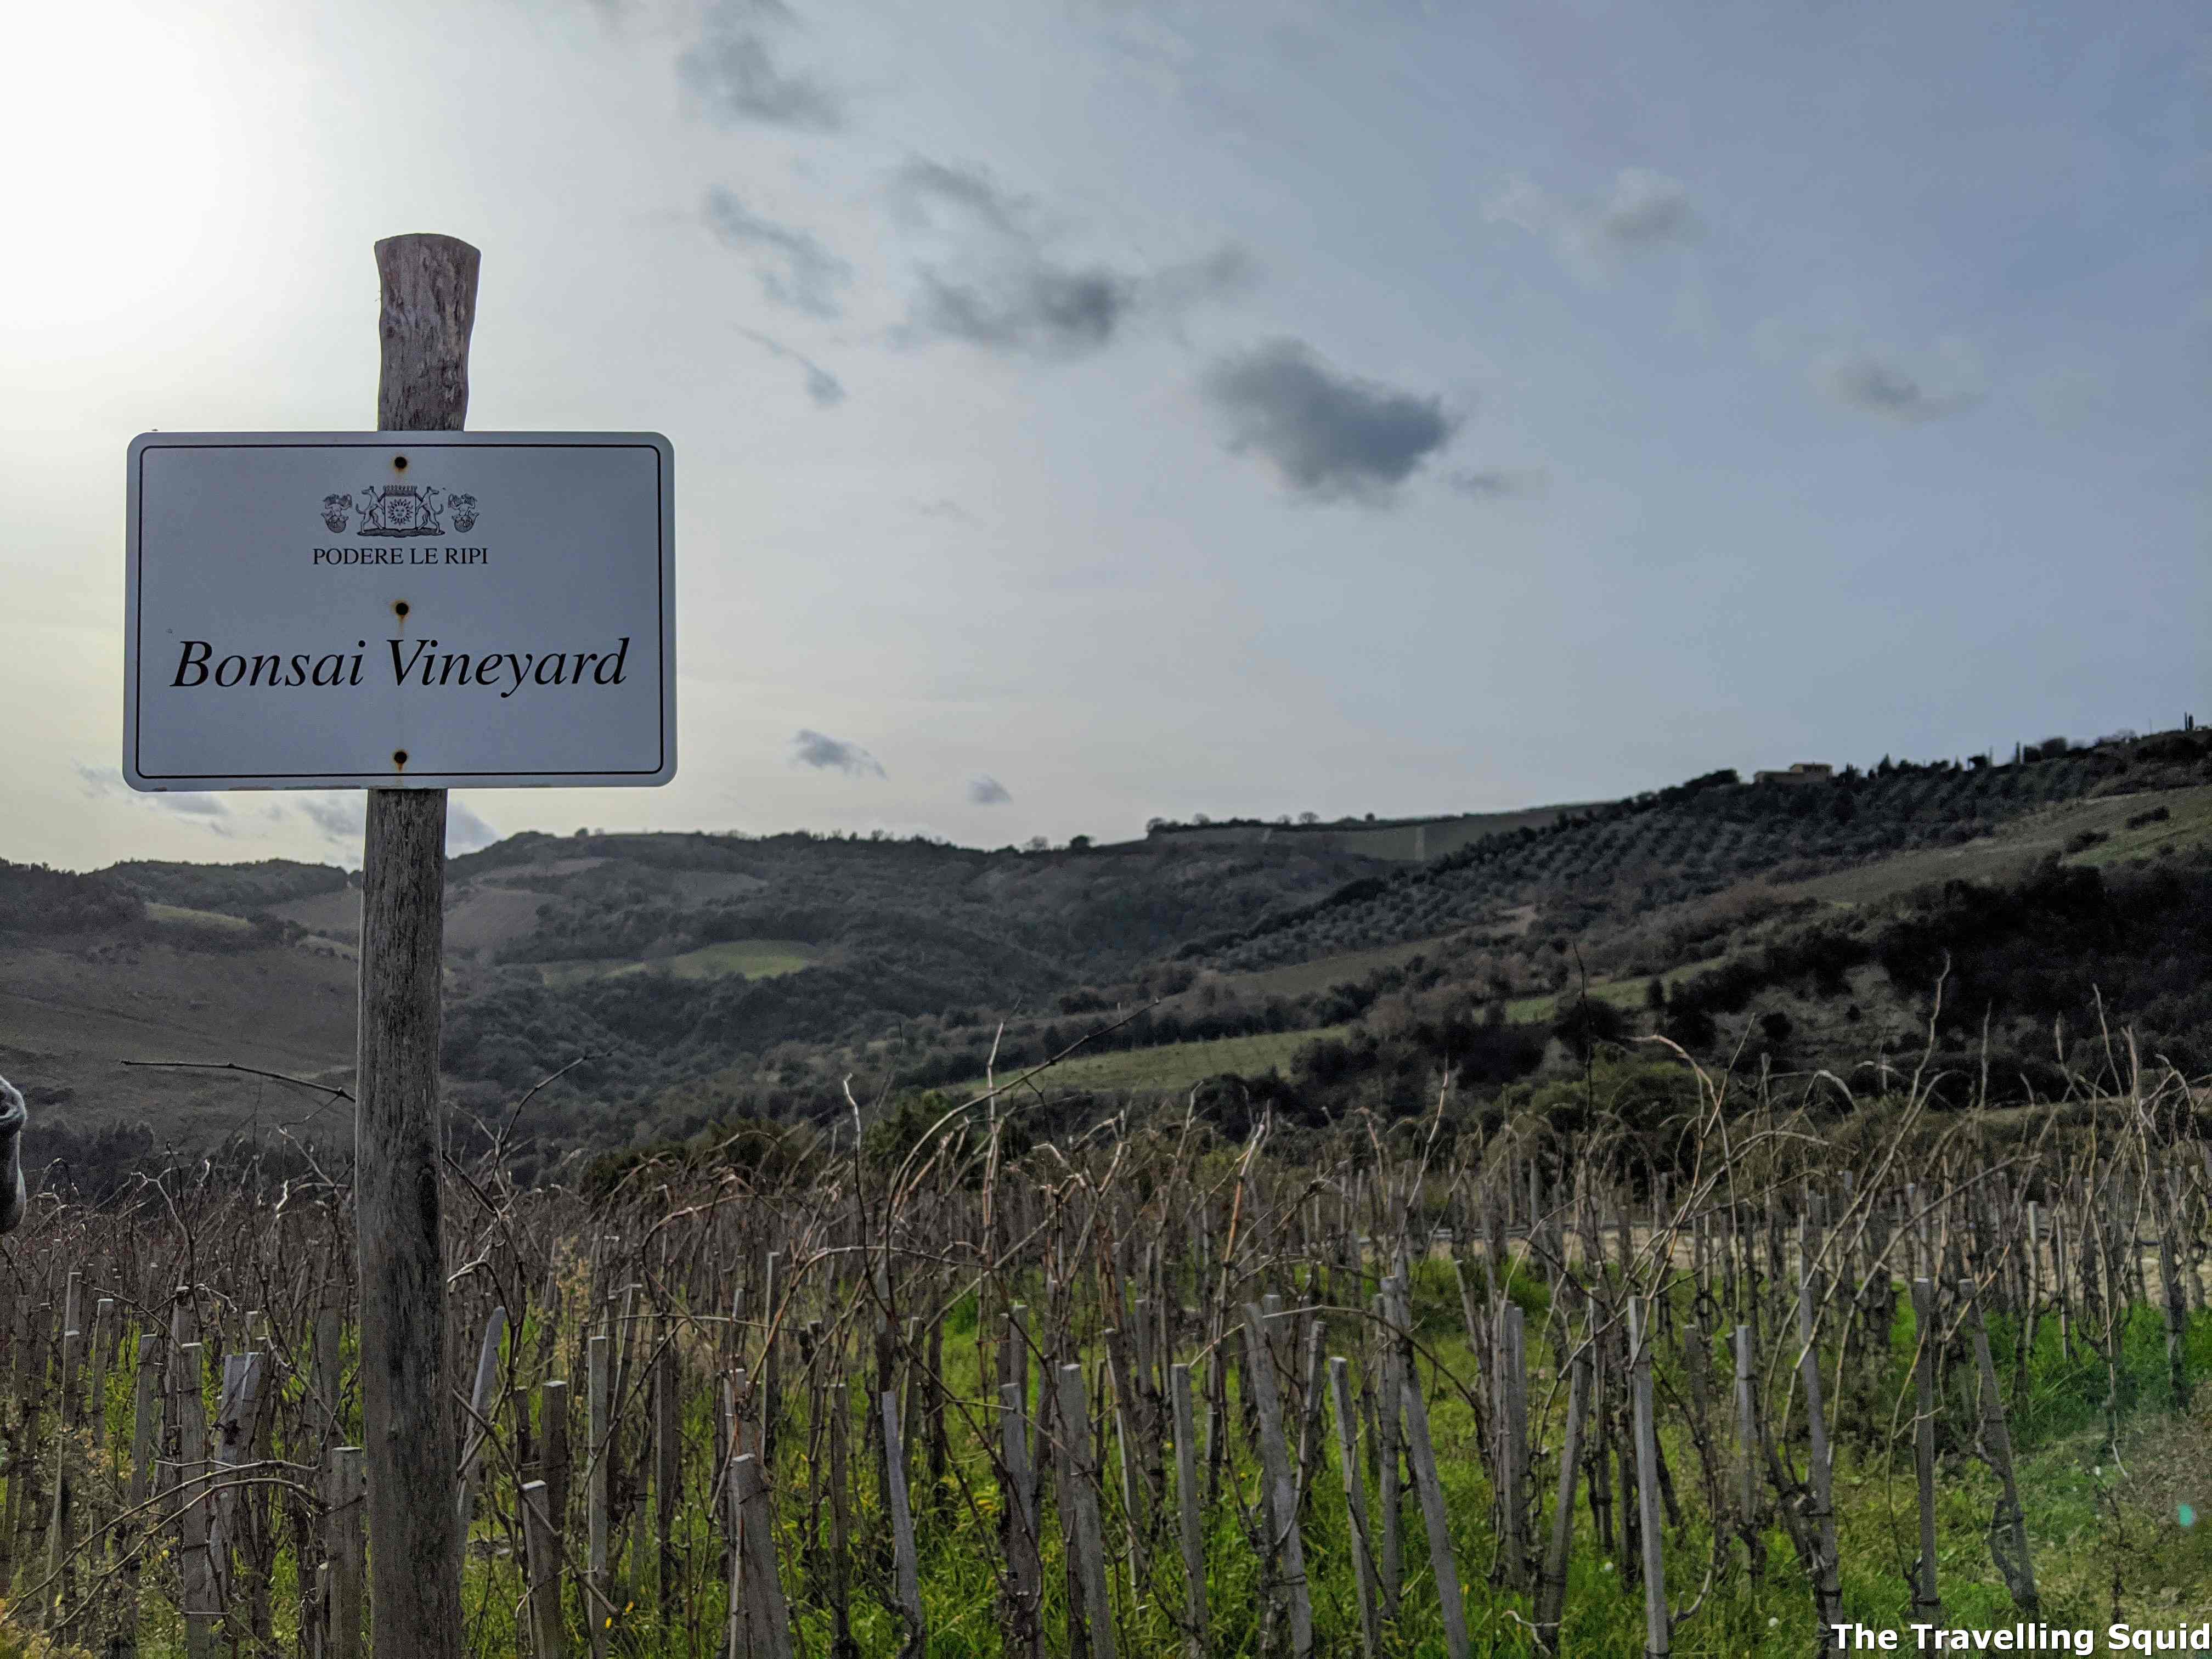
x=429, y=302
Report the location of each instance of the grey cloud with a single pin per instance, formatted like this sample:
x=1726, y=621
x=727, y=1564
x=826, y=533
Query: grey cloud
x=1876, y=385
x=1499, y=482
x=922, y=184
x=465, y=832
x=1006, y=290
x=944, y=507
x=825, y=388
x=99, y=780
x=1329, y=435
x=192, y=806
x=796, y=270
x=1646, y=210
x=825, y=754
x=988, y=791
x=1042, y=309
x=341, y=816
x=733, y=72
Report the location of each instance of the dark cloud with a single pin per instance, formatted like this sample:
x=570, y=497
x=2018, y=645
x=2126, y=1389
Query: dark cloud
x=825, y=388
x=733, y=72
x=826, y=754
x=1005, y=288
x=1330, y=436
x=1495, y=483
x=988, y=791
x=1042, y=309
x=793, y=267
x=1863, y=381
x=464, y=831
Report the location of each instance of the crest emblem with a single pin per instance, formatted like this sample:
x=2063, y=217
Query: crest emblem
x=400, y=510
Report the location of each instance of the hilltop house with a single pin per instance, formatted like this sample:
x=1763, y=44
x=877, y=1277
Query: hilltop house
x=1802, y=772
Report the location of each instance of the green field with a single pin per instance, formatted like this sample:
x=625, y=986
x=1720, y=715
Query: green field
x=177, y=916
x=2188, y=823
x=1169, y=1066
x=1302, y=978
x=745, y=958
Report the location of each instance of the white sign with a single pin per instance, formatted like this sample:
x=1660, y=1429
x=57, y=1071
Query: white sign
x=425, y=610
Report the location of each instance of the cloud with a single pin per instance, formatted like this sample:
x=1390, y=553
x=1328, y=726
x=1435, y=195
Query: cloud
x=825, y=754
x=794, y=268
x=825, y=388
x=1043, y=309
x=341, y=815
x=923, y=187
x=944, y=507
x=1500, y=484
x=986, y=792
x=208, y=809
x=465, y=832
x=1004, y=288
x=1878, y=383
x=733, y=73
x=1328, y=434
x=1646, y=210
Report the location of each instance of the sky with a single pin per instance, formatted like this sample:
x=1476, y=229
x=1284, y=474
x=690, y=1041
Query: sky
x=1092, y=409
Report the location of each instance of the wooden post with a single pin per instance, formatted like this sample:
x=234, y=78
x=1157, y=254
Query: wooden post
x=2009, y=1525
x=1658, y=1623
x=1079, y=1498
x=1927, y=1602
x=1186, y=1496
x=145, y=1434
x=476, y=1431
x=1828, y=1586
x=348, y=1500
x=553, y=1449
x=103, y=1335
x=429, y=297
x=767, y=1615
x=1552, y=1592
x=1024, y=1634
x=542, y=1551
x=1355, y=1500
x=598, y=1484
x=1442, y=1562
x=201, y=1608
x=1286, y=1550
x=907, y=1566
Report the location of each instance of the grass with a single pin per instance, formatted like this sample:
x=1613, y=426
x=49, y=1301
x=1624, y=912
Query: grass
x=1300, y=979
x=1171, y=1066
x=743, y=958
x=179, y=915
x=2189, y=823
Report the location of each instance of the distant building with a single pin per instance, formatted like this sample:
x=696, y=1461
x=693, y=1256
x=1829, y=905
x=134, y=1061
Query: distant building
x=1802, y=772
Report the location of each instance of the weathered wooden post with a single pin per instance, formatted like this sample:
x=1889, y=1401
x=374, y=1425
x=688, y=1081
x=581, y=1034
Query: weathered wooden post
x=1927, y=1600
x=429, y=302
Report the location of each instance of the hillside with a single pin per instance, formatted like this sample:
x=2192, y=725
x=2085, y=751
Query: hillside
x=715, y=974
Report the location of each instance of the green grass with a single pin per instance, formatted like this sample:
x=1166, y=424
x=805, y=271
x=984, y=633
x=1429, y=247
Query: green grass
x=1629, y=993
x=2188, y=823
x=1302, y=978
x=746, y=959
x=1170, y=1066
x=179, y=915
x=2100, y=1530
